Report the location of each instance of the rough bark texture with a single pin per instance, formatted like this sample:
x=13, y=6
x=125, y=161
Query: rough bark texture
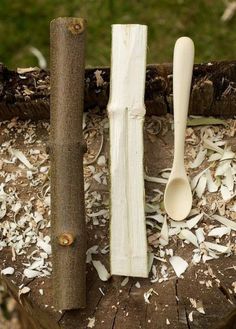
x=213, y=90
x=68, y=219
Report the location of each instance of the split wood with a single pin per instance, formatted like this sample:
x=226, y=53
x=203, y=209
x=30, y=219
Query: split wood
x=126, y=112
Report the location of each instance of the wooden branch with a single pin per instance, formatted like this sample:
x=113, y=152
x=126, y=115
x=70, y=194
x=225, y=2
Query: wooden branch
x=26, y=95
x=67, y=184
x=128, y=242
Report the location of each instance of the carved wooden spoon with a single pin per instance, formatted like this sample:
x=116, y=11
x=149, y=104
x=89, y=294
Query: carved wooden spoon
x=178, y=194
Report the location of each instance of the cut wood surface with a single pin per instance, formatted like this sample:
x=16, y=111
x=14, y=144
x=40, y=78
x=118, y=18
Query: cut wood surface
x=128, y=244
x=115, y=303
x=26, y=94
x=67, y=38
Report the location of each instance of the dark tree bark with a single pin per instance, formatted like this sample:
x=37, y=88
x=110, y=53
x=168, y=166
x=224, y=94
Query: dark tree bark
x=26, y=95
x=67, y=182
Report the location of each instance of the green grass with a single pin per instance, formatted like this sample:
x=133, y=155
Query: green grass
x=25, y=23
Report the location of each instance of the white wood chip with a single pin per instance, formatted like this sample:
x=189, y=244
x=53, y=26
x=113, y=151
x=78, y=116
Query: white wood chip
x=174, y=231
x=228, y=155
x=211, y=185
x=214, y=157
x=101, y=212
x=101, y=161
x=37, y=264
x=124, y=282
x=159, y=218
x=225, y=221
x=99, y=78
x=196, y=258
x=219, y=231
x=41, y=292
x=201, y=186
x=179, y=265
x=186, y=234
x=22, y=70
x=91, y=323
x=193, y=221
x=225, y=193
x=20, y=156
x=91, y=251
x=229, y=179
x=233, y=208
x=30, y=274
x=44, y=246
x=101, y=270
x=105, y=250
x=198, y=305
x=38, y=217
x=200, y=235
x=199, y=159
x=196, y=178
x=23, y=291
x=155, y=179
x=8, y=271
x=164, y=236
x=148, y=294
x=138, y=285
x=217, y=247
x=16, y=207
x=222, y=168
x=212, y=146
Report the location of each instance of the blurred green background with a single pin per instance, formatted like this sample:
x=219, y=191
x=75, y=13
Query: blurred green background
x=25, y=23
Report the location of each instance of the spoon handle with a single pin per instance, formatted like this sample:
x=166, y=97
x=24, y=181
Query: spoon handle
x=182, y=77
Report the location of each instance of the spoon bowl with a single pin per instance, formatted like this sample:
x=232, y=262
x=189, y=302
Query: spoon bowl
x=178, y=198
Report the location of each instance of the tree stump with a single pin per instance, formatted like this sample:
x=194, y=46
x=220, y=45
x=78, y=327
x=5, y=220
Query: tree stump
x=114, y=304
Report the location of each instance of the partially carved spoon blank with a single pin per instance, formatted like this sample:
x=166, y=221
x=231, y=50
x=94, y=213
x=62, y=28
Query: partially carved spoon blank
x=128, y=246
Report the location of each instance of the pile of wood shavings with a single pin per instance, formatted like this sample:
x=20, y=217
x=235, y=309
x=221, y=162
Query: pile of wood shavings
x=25, y=197
x=210, y=228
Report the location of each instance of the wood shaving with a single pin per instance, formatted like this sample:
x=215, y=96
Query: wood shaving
x=101, y=270
x=99, y=78
x=124, y=282
x=23, y=291
x=179, y=265
x=198, y=305
x=148, y=294
x=189, y=236
x=8, y=271
x=164, y=236
x=91, y=323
